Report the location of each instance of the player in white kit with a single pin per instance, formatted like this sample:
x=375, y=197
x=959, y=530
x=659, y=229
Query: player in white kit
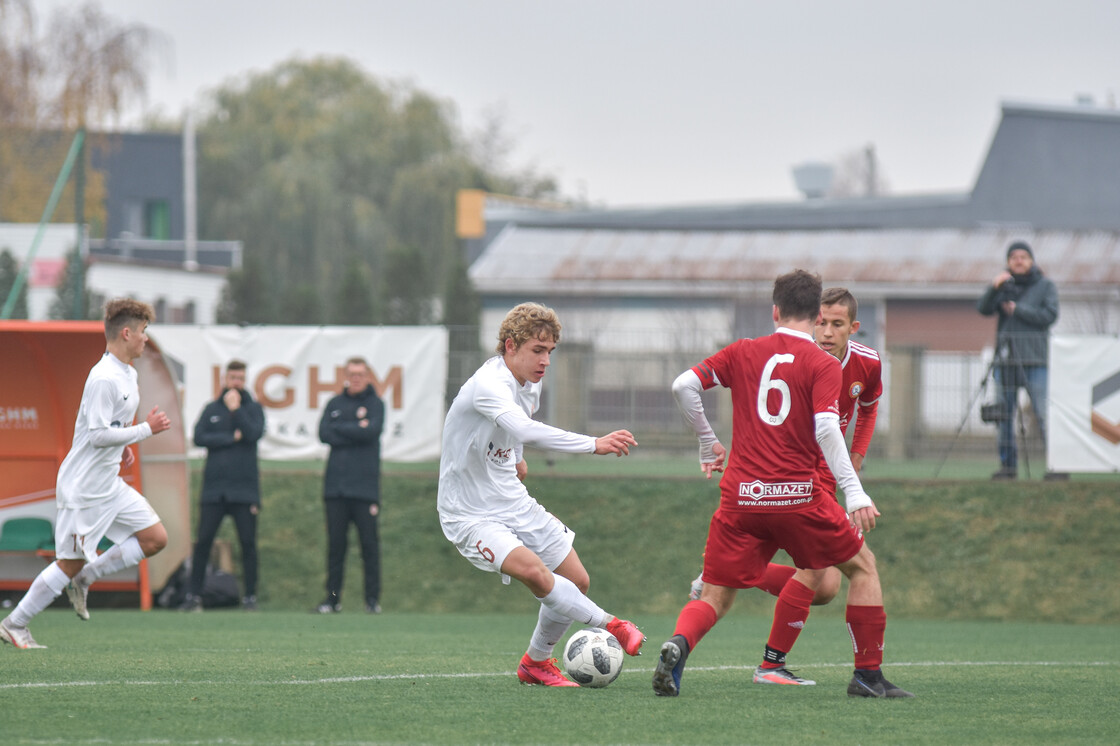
x=485, y=510
x=93, y=501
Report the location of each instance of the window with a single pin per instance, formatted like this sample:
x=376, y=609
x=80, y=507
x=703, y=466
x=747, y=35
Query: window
x=157, y=219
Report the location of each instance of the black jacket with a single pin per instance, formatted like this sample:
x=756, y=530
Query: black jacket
x=231, y=466
x=354, y=466
x=1023, y=337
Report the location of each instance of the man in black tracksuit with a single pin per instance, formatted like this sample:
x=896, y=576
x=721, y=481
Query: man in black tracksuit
x=229, y=428
x=351, y=426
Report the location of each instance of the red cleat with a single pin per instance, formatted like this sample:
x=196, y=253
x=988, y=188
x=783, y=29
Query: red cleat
x=541, y=672
x=628, y=634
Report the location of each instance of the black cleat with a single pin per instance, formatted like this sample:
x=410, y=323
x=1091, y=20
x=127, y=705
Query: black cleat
x=670, y=666
x=872, y=684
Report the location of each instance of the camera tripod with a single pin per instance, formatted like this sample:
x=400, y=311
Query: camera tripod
x=996, y=413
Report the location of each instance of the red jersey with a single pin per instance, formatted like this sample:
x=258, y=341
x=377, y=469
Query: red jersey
x=778, y=384
x=862, y=382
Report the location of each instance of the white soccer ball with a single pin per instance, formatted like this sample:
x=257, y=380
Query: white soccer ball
x=593, y=657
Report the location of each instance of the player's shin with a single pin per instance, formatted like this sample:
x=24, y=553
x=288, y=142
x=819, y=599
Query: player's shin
x=550, y=628
x=790, y=613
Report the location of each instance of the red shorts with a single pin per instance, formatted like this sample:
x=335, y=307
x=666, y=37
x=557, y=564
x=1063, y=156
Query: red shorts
x=741, y=544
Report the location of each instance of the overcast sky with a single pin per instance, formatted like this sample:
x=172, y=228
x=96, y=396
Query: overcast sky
x=632, y=102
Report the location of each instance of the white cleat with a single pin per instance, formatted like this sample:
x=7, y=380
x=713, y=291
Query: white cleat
x=77, y=593
x=18, y=637
x=696, y=588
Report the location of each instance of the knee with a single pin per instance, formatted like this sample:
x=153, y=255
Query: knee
x=863, y=564
x=829, y=587
x=582, y=581
x=153, y=542
x=539, y=580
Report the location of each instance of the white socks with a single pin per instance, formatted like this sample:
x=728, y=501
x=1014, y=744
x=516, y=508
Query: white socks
x=566, y=600
x=550, y=628
x=117, y=558
x=46, y=587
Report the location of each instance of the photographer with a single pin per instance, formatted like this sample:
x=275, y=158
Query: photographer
x=1027, y=305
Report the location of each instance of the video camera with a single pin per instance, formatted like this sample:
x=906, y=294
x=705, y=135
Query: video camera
x=994, y=413
x=1009, y=290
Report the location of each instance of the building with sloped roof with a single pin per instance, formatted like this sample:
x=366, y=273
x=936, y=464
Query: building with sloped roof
x=700, y=276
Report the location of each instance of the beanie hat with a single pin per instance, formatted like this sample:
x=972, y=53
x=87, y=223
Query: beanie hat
x=1020, y=246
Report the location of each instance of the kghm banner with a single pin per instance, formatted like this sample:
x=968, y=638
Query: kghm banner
x=294, y=370
x=1084, y=403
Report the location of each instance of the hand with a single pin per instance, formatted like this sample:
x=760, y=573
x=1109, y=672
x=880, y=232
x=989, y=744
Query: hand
x=618, y=443
x=236, y=436
x=363, y=423
x=1001, y=278
x=708, y=467
x=129, y=458
x=864, y=518
x=232, y=399
x=857, y=462
x=522, y=470
x=158, y=421
x=1008, y=307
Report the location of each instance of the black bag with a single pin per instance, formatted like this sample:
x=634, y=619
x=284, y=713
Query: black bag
x=218, y=588
x=993, y=413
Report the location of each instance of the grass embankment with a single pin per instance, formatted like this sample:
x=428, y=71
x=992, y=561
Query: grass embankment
x=1027, y=551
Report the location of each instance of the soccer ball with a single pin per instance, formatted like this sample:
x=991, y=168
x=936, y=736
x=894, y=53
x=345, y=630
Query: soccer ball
x=593, y=657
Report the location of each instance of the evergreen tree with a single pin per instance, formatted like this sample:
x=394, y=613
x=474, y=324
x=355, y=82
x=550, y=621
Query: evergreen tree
x=73, y=299
x=9, y=271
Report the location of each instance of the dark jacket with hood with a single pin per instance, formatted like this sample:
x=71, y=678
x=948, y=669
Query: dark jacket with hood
x=1022, y=336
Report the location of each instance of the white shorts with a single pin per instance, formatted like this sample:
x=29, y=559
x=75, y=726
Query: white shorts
x=78, y=531
x=487, y=543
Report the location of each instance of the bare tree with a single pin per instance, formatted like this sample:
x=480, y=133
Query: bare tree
x=83, y=72
x=19, y=61
x=857, y=174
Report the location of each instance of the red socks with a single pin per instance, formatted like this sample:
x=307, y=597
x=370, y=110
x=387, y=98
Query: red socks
x=867, y=626
x=694, y=621
x=790, y=614
x=775, y=578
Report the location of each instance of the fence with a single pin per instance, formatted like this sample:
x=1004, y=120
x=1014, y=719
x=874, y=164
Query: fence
x=931, y=400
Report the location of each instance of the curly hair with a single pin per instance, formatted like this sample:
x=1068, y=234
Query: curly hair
x=528, y=321
x=123, y=312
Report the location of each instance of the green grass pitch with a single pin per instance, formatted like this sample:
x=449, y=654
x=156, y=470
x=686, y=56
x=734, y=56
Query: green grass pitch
x=272, y=677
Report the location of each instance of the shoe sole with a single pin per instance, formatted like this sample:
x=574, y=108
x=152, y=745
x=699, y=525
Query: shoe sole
x=81, y=608
x=859, y=689
x=784, y=682
x=663, y=684
x=6, y=637
x=537, y=682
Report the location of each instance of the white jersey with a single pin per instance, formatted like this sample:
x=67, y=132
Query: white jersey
x=91, y=470
x=486, y=427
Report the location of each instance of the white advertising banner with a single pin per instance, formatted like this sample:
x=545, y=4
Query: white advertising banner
x=294, y=370
x=1084, y=403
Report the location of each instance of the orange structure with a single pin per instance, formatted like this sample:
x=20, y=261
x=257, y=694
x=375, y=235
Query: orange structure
x=43, y=368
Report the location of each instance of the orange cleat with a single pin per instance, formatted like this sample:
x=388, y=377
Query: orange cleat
x=541, y=672
x=628, y=634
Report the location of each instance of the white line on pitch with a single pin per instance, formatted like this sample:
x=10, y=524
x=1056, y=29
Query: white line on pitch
x=405, y=676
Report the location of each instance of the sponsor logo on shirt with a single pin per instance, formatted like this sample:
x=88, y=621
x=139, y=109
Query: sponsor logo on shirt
x=757, y=490
x=498, y=456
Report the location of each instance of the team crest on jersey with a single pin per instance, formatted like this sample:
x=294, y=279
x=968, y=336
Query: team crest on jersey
x=498, y=456
x=856, y=389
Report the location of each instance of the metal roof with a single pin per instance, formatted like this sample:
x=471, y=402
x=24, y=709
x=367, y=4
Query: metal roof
x=1047, y=168
x=942, y=263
